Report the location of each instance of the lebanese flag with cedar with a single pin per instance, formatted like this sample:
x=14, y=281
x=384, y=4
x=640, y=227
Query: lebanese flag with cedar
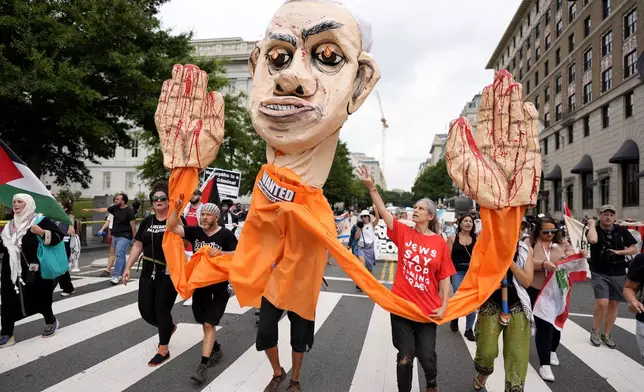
x=553, y=302
x=15, y=177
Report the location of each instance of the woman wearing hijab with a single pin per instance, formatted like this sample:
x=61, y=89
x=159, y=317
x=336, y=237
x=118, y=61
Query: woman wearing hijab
x=24, y=292
x=65, y=281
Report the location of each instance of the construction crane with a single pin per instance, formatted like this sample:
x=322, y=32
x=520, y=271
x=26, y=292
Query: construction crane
x=384, y=129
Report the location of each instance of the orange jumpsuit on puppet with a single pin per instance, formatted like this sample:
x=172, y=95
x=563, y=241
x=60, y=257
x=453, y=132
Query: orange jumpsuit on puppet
x=290, y=225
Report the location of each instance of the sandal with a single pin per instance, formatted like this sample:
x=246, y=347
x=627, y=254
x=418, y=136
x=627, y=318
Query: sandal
x=479, y=381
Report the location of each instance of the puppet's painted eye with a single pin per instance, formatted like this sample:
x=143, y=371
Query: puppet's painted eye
x=329, y=55
x=279, y=58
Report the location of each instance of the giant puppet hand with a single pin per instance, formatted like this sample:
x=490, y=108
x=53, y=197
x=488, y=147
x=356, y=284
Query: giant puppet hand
x=189, y=119
x=500, y=166
x=190, y=122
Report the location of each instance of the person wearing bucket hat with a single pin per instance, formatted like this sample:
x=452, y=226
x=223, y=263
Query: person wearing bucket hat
x=609, y=246
x=366, y=238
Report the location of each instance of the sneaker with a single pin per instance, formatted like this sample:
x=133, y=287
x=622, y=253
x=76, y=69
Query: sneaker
x=453, y=325
x=294, y=386
x=64, y=294
x=608, y=341
x=50, y=329
x=595, y=339
x=215, y=356
x=546, y=373
x=115, y=280
x=7, y=341
x=200, y=374
x=105, y=274
x=275, y=382
x=554, y=359
x=188, y=302
x=469, y=334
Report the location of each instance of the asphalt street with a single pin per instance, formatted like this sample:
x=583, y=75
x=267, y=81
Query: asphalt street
x=104, y=345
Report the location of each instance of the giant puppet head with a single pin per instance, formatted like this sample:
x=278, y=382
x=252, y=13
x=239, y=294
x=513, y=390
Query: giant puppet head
x=310, y=72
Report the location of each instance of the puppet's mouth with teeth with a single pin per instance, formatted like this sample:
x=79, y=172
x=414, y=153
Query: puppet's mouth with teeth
x=284, y=107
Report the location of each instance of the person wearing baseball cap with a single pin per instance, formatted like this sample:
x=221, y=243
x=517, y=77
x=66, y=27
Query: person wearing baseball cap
x=609, y=246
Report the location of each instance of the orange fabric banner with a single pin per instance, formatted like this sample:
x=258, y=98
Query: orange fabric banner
x=202, y=270
x=277, y=257
x=282, y=253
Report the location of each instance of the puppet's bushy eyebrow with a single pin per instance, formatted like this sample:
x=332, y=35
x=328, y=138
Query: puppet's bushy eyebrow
x=284, y=37
x=320, y=28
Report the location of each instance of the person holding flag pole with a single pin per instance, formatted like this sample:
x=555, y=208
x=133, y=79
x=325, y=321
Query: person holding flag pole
x=549, y=249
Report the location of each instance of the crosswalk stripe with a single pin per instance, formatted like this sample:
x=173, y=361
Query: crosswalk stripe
x=126, y=368
x=252, y=371
x=79, y=283
x=72, y=302
x=622, y=322
x=37, y=347
x=496, y=381
x=621, y=372
x=376, y=368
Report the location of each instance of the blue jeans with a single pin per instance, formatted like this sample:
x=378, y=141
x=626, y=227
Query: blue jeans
x=120, y=251
x=456, y=283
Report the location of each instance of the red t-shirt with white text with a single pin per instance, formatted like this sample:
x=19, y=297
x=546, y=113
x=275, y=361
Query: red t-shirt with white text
x=423, y=260
x=191, y=217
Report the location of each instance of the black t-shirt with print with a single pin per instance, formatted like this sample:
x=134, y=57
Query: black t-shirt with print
x=223, y=239
x=150, y=234
x=122, y=219
x=636, y=274
x=618, y=238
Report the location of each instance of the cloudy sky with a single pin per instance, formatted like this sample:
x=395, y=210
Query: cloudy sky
x=432, y=56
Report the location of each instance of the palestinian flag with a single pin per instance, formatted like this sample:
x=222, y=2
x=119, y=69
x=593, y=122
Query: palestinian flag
x=209, y=191
x=15, y=177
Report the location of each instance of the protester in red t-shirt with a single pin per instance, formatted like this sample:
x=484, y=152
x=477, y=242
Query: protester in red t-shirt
x=422, y=277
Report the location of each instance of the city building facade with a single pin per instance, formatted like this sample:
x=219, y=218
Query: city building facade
x=437, y=152
x=471, y=112
x=576, y=61
x=119, y=173
x=358, y=159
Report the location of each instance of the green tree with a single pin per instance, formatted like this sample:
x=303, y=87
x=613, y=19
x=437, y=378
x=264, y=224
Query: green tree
x=78, y=76
x=434, y=183
x=339, y=185
x=399, y=199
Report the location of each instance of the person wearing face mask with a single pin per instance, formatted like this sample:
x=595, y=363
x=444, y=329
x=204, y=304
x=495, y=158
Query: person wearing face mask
x=156, y=290
x=609, y=246
x=461, y=246
x=23, y=290
x=549, y=247
x=209, y=303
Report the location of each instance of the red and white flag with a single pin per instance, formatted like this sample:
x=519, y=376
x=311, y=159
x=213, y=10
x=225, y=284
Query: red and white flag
x=554, y=299
x=567, y=211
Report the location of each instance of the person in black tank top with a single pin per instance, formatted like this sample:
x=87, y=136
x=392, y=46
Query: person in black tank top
x=462, y=246
x=516, y=326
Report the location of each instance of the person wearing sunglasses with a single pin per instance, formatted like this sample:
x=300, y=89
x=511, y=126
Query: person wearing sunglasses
x=549, y=247
x=156, y=290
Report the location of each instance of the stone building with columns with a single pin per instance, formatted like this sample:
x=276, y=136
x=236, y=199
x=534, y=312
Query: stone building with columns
x=576, y=61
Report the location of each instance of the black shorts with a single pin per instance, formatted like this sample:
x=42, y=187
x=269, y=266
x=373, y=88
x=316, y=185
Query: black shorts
x=209, y=303
x=302, y=330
